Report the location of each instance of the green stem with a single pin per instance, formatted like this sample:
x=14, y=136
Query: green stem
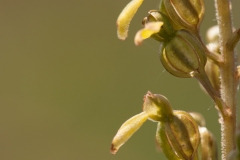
x=227, y=76
x=204, y=80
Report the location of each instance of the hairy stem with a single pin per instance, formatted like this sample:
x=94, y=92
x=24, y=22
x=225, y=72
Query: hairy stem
x=220, y=105
x=227, y=76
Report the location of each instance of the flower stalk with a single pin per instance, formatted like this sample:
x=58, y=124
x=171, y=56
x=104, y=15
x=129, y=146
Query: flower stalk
x=227, y=77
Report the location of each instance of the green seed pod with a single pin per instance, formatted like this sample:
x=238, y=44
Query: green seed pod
x=179, y=138
x=183, y=55
x=157, y=107
x=186, y=14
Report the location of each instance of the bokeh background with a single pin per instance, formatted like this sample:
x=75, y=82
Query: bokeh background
x=67, y=83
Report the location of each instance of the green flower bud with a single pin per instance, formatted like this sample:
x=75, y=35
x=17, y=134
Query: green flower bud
x=179, y=138
x=186, y=14
x=157, y=107
x=183, y=55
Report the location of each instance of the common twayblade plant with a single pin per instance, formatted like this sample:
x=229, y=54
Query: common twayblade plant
x=175, y=25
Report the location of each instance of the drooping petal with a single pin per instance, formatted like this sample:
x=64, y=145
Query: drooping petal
x=125, y=18
x=127, y=130
x=150, y=29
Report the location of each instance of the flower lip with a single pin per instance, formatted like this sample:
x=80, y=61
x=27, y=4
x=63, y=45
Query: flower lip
x=125, y=18
x=127, y=129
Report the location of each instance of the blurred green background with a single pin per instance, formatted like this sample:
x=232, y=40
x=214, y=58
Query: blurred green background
x=67, y=83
